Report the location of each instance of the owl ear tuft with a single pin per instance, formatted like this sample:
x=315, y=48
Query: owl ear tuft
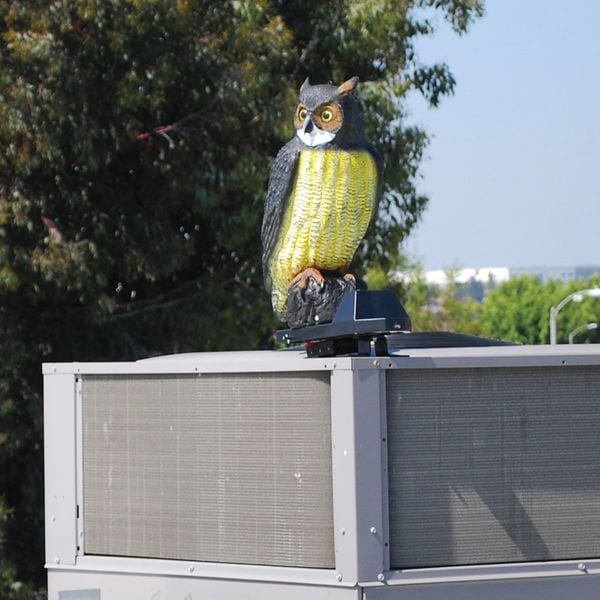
x=305, y=85
x=348, y=86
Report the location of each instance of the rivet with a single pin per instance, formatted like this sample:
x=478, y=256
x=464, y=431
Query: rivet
x=373, y=530
x=191, y=568
x=56, y=559
x=381, y=577
x=582, y=567
x=339, y=577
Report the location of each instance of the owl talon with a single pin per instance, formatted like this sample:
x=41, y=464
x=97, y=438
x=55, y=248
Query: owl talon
x=301, y=280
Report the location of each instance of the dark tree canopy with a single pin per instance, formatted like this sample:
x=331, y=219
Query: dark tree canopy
x=137, y=138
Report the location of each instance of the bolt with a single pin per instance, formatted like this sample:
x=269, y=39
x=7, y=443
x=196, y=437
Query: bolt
x=373, y=530
x=339, y=577
x=381, y=577
x=191, y=568
x=582, y=567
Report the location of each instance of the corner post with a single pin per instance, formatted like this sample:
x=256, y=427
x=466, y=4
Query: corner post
x=60, y=485
x=359, y=473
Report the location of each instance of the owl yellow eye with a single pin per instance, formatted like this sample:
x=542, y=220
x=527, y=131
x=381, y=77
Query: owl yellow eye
x=326, y=116
x=302, y=113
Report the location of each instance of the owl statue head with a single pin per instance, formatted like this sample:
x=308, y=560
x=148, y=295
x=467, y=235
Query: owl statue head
x=328, y=113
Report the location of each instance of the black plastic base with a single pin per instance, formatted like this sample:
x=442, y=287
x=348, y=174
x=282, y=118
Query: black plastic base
x=373, y=323
x=361, y=346
x=363, y=316
x=439, y=339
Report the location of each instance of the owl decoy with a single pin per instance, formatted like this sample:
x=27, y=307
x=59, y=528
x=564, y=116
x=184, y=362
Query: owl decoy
x=324, y=187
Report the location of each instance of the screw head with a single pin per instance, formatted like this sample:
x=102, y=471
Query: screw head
x=339, y=577
x=582, y=567
x=57, y=560
x=381, y=577
x=375, y=363
x=373, y=530
x=191, y=568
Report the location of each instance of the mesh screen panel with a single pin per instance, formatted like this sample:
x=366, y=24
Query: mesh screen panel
x=221, y=468
x=493, y=465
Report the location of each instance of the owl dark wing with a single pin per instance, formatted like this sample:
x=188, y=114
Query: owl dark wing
x=281, y=180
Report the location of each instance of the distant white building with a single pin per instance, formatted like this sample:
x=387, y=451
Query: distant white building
x=497, y=275
x=486, y=275
x=564, y=274
x=477, y=282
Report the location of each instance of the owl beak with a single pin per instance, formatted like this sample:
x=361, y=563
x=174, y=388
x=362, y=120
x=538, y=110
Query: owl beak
x=311, y=135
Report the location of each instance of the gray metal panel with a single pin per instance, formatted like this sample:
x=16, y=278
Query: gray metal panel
x=59, y=469
x=227, y=468
x=80, y=595
x=257, y=361
x=295, y=360
x=136, y=586
x=493, y=465
x=584, y=587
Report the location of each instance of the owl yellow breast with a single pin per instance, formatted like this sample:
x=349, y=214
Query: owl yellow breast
x=329, y=210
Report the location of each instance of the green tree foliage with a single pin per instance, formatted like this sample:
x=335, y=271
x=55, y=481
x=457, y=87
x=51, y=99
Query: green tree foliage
x=517, y=311
x=137, y=138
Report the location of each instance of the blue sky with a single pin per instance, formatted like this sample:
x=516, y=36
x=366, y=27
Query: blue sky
x=513, y=167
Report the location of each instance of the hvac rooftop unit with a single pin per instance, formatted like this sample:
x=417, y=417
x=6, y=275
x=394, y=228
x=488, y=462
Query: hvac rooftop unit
x=438, y=474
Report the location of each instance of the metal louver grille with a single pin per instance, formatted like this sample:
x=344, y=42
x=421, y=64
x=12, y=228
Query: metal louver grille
x=493, y=465
x=223, y=468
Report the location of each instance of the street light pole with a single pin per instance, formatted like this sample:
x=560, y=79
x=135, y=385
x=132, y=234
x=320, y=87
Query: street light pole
x=553, y=315
x=575, y=296
x=587, y=326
